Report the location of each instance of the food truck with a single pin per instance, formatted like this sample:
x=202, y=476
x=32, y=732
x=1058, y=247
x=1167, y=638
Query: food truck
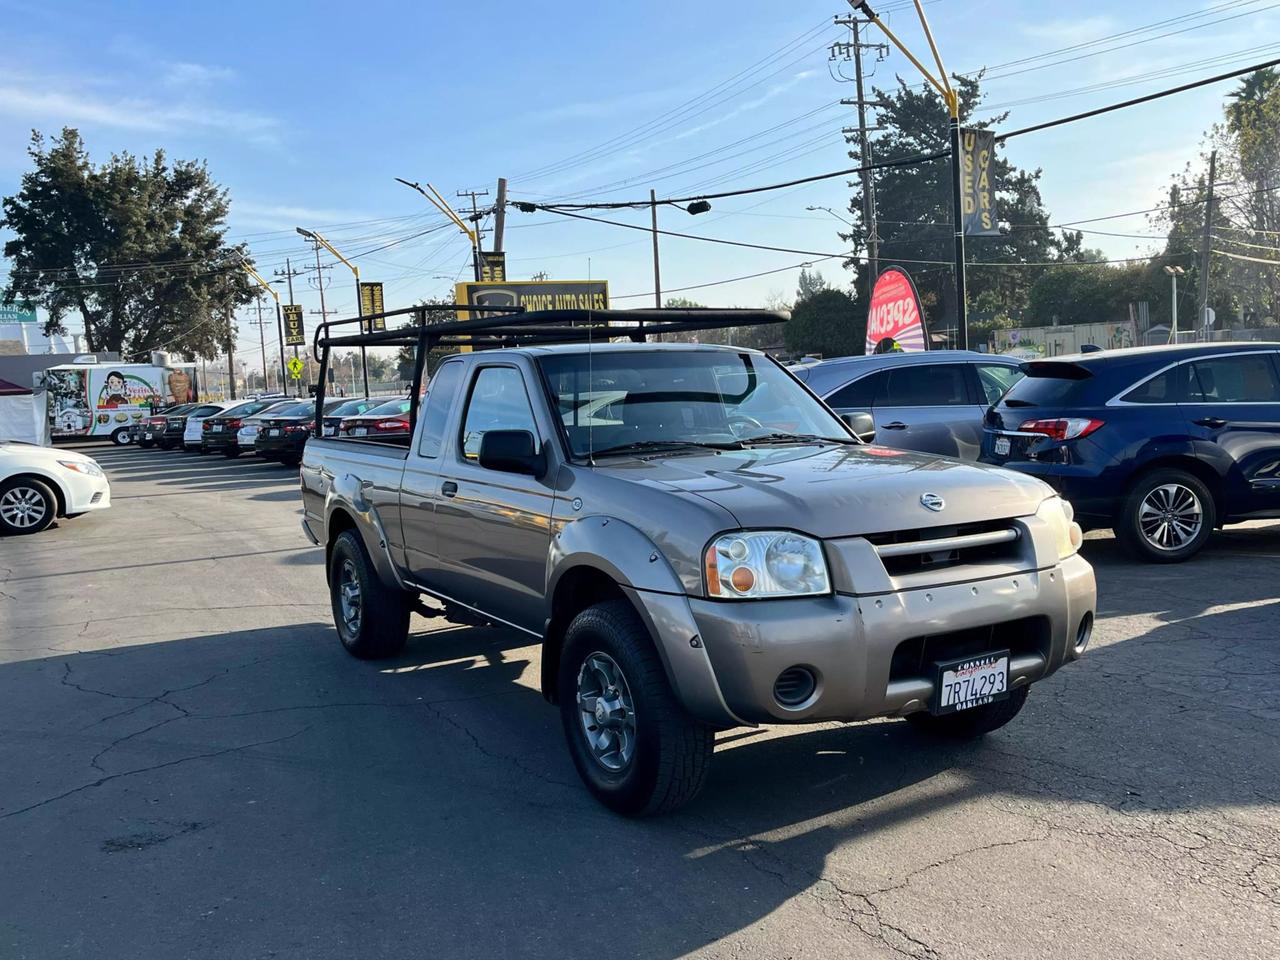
x=104, y=399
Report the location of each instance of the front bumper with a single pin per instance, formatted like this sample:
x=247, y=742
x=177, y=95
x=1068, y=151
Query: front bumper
x=848, y=642
x=85, y=493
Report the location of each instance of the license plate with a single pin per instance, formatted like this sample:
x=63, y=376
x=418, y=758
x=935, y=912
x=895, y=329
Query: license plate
x=146, y=435
x=216, y=428
x=360, y=432
x=330, y=431
x=1002, y=446
x=271, y=433
x=971, y=682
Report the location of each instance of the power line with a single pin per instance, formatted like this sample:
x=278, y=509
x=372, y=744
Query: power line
x=1240, y=256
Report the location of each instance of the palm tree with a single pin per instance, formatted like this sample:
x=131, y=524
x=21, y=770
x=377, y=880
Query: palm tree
x=1252, y=91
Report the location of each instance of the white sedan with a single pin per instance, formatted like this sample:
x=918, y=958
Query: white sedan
x=40, y=484
x=196, y=418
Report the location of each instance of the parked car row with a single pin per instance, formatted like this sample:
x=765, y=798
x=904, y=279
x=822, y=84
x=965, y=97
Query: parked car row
x=1161, y=444
x=273, y=428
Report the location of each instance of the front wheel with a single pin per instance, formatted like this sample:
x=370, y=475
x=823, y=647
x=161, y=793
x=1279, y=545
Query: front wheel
x=974, y=722
x=1168, y=517
x=27, y=505
x=372, y=618
x=634, y=745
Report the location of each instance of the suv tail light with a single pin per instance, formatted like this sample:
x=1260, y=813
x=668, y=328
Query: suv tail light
x=389, y=425
x=1064, y=428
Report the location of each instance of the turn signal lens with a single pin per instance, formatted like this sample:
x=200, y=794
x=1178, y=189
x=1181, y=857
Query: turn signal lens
x=1065, y=428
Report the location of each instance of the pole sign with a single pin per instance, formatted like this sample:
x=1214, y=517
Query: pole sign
x=295, y=335
x=371, y=302
x=978, y=197
x=534, y=295
x=295, y=368
x=16, y=314
x=493, y=267
x=894, y=322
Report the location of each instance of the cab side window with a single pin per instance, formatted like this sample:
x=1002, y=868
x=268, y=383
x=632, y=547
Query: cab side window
x=441, y=390
x=498, y=401
x=996, y=378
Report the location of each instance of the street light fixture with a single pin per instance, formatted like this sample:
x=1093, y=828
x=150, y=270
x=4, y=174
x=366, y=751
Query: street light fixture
x=833, y=213
x=320, y=241
x=1174, y=273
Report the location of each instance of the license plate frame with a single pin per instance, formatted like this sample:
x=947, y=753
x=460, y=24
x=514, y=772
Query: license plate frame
x=993, y=664
x=1002, y=446
x=360, y=432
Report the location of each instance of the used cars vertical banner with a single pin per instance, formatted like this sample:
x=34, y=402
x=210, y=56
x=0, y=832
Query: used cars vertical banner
x=371, y=303
x=894, y=322
x=977, y=162
x=294, y=333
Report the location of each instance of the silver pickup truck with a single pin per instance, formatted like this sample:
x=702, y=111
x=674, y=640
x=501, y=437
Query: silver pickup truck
x=697, y=543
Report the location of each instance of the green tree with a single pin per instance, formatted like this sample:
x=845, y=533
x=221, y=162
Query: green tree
x=136, y=247
x=809, y=283
x=828, y=323
x=914, y=209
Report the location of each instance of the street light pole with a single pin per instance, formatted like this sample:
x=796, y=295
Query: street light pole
x=279, y=322
x=320, y=241
x=1174, y=273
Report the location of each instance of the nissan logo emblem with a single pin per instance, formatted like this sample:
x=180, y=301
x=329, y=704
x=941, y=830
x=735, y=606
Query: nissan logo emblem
x=931, y=501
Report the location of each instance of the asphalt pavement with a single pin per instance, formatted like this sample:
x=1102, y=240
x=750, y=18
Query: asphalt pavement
x=191, y=766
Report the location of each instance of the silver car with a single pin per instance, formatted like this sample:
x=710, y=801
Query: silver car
x=933, y=402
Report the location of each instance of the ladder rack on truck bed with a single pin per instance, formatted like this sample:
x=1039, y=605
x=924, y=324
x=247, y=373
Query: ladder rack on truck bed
x=516, y=327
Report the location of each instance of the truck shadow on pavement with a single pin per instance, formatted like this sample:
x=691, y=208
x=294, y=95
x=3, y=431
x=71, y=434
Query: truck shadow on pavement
x=312, y=804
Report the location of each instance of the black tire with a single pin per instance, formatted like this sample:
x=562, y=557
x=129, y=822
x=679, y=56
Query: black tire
x=291, y=459
x=146, y=444
x=22, y=497
x=974, y=722
x=1158, y=484
x=121, y=437
x=671, y=755
x=162, y=444
x=231, y=452
x=382, y=624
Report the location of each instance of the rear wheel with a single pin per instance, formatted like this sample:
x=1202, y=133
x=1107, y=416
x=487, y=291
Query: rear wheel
x=231, y=452
x=372, y=618
x=1168, y=517
x=27, y=505
x=634, y=745
x=974, y=722
x=146, y=444
x=291, y=459
x=121, y=437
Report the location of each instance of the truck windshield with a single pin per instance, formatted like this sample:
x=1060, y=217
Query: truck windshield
x=634, y=398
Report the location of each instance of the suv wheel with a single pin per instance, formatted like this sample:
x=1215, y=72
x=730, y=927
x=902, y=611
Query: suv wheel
x=974, y=722
x=633, y=743
x=1167, y=517
x=26, y=506
x=372, y=618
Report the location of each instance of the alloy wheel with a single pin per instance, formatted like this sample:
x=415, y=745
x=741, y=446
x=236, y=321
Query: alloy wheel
x=349, y=597
x=22, y=507
x=607, y=711
x=1170, y=516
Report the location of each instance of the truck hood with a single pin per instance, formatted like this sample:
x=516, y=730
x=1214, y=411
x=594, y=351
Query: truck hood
x=839, y=491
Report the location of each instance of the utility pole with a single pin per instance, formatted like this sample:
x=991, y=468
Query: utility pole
x=262, y=342
x=657, y=275
x=231, y=352
x=1204, y=246
x=500, y=214
x=854, y=49
x=477, y=234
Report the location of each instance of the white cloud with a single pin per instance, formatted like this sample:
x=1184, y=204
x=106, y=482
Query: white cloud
x=1070, y=31
x=42, y=104
x=283, y=216
x=179, y=74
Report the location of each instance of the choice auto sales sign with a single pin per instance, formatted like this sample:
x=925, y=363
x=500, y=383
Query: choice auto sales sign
x=894, y=321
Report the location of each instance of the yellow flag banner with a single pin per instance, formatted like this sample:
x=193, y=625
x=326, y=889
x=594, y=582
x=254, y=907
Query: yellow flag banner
x=977, y=173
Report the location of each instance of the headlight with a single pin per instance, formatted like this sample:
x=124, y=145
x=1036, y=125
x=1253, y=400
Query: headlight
x=88, y=468
x=1060, y=517
x=772, y=563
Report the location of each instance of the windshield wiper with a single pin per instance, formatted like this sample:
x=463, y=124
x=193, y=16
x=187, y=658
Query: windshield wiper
x=798, y=438
x=640, y=446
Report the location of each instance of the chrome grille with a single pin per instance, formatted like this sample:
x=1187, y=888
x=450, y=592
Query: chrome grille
x=933, y=548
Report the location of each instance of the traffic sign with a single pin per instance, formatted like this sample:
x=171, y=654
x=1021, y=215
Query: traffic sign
x=295, y=368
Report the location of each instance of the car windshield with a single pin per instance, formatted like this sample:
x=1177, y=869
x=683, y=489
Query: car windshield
x=350, y=408
x=633, y=399
x=398, y=405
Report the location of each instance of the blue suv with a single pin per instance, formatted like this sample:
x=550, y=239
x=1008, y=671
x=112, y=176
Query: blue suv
x=1162, y=444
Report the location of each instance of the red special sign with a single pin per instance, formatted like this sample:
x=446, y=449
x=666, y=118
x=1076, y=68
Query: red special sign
x=894, y=321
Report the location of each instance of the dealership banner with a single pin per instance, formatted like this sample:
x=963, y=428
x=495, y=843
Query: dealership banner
x=295, y=335
x=493, y=266
x=894, y=322
x=534, y=295
x=978, y=196
x=370, y=303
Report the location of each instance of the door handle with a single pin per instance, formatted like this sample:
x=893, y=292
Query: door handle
x=1214, y=422
x=449, y=489
x=895, y=425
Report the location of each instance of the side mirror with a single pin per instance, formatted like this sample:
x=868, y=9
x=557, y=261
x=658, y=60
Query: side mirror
x=862, y=425
x=512, y=451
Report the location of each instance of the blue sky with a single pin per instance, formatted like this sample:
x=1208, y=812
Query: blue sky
x=307, y=112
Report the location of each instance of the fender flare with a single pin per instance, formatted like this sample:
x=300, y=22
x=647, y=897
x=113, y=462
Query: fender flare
x=346, y=493
x=633, y=562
